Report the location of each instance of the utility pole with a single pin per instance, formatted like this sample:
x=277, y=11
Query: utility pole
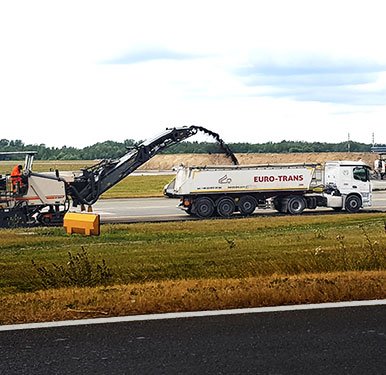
x=348, y=142
x=373, y=139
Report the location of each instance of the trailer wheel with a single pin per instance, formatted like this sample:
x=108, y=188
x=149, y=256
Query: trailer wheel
x=353, y=203
x=247, y=205
x=296, y=205
x=226, y=206
x=204, y=207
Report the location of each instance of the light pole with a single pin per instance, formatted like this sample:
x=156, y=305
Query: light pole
x=348, y=142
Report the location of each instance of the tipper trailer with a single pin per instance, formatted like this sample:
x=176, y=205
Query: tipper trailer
x=288, y=188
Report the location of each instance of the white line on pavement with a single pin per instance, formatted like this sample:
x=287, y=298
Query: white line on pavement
x=192, y=314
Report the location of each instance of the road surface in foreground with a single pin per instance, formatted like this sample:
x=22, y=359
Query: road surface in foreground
x=349, y=340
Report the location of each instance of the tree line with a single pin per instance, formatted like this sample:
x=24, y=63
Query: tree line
x=111, y=149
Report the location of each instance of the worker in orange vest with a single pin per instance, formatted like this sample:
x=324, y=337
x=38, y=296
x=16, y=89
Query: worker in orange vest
x=16, y=178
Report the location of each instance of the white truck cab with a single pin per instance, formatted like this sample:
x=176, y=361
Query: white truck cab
x=352, y=179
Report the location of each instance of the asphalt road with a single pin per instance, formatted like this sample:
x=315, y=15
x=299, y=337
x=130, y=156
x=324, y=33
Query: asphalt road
x=349, y=340
x=165, y=209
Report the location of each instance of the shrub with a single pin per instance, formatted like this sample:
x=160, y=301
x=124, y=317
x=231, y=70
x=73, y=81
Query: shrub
x=80, y=270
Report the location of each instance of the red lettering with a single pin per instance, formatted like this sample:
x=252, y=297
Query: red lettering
x=291, y=178
x=282, y=178
x=258, y=179
x=264, y=178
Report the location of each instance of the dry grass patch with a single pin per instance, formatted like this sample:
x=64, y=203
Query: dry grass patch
x=190, y=295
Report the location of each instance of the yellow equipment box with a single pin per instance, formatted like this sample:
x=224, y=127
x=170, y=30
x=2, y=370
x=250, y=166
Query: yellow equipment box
x=82, y=223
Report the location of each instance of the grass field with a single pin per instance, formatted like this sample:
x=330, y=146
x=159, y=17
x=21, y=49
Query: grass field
x=158, y=267
x=139, y=186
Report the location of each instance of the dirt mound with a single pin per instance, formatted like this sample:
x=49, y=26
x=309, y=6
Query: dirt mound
x=167, y=162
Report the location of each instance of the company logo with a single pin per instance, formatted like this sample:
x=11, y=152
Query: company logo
x=225, y=180
x=278, y=178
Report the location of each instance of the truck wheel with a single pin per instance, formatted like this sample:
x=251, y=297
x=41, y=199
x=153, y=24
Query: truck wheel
x=296, y=205
x=353, y=203
x=226, y=206
x=204, y=207
x=247, y=205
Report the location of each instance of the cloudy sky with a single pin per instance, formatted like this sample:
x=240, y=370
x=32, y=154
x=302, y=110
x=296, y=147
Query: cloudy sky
x=78, y=72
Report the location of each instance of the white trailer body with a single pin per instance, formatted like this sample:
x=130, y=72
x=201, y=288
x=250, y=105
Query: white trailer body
x=291, y=188
x=243, y=178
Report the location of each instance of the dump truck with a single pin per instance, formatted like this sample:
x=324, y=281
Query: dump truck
x=288, y=188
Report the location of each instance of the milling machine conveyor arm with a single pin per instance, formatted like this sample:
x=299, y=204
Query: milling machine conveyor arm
x=94, y=181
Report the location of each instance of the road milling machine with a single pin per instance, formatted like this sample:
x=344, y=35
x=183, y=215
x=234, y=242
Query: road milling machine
x=44, y=198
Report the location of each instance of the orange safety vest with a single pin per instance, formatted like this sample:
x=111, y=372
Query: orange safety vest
x=16, y=175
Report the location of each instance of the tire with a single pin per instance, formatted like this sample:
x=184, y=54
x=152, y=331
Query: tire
x=353, y=203
x=247, y=205
x=296, y=205
x=203, y=207
x=225, y=207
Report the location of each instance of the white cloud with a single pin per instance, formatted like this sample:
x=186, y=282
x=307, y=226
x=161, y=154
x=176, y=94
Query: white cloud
x=179, y=64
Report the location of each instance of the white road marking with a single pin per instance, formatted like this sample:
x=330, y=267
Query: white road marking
x=191, y=314
x=131, y=208
x=121, y=218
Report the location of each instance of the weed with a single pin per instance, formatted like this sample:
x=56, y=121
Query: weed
x=373, y=257
x=343, y=252
x=231, y=243
x=79, y=271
